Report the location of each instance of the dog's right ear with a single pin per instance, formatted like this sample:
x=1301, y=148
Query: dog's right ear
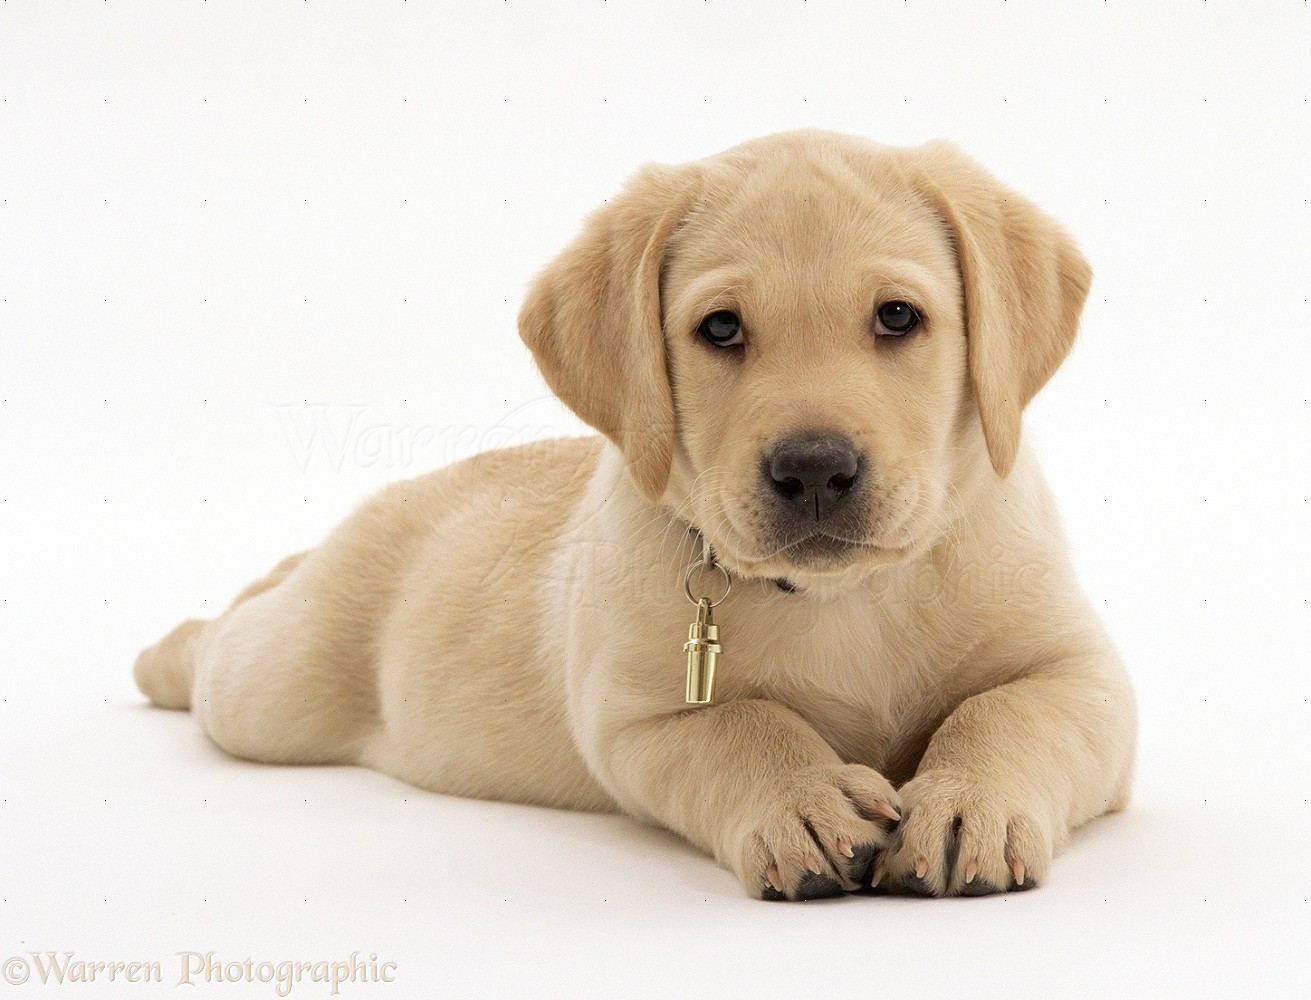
x=592, y=319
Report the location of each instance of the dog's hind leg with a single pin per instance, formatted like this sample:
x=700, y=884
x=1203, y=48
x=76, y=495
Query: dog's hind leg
x=165, y=671
x=280, y=677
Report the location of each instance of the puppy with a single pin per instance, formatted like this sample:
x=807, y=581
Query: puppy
x=807, y=357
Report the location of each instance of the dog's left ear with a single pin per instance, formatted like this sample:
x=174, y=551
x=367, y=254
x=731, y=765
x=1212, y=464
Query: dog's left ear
x=1024, y=281
x=592, y=319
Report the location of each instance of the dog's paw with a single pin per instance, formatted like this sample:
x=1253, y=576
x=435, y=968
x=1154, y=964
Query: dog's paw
x=959, y=839
x=819, y=834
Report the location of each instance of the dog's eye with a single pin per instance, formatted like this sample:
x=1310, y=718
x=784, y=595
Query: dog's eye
x=722, y=328
x=896, y=319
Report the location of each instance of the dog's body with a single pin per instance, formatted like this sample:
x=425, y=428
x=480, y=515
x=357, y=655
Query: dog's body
x=904, y=633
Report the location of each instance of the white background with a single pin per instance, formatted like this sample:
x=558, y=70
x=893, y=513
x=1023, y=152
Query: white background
x=228, y=230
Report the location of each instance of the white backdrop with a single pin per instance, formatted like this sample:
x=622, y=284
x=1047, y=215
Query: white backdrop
x=257, y=259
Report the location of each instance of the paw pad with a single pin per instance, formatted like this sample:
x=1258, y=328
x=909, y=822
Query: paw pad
x=979, y=887
x=814, y=886
x=915, y=884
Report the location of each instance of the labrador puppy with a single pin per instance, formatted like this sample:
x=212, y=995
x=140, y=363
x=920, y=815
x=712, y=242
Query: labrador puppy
x=808, y=358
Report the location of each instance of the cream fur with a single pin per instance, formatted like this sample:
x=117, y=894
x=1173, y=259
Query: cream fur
x=510, y=627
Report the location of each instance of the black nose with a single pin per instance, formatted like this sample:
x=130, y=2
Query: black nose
x=813, y=473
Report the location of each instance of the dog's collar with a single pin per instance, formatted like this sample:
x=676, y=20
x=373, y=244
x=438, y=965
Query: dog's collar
x=782, y=583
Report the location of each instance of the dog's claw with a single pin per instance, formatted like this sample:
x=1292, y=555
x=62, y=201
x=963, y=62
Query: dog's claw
x=880, y=870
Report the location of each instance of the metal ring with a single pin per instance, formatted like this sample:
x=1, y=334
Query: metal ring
x=687, y=582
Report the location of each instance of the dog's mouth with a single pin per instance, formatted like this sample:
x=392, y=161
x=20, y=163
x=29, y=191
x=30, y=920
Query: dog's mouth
x=839, y=550
x=814, y=557
x=823, y=548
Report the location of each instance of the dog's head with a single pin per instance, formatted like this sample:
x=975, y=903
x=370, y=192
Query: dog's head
x=805, y=345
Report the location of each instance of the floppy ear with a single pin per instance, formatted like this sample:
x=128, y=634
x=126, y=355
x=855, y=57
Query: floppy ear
x=1025, y=283
x=593, y=322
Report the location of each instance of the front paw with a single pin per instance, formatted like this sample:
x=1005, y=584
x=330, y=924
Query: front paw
x=960, y=838
x=818, y=835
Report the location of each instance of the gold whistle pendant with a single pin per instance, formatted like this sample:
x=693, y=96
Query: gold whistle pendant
x=703, y=649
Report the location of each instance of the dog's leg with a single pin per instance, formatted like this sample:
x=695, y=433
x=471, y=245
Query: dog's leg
x=754, y=785
x=283, y=676
x=165, y=671
x=1008, y=775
